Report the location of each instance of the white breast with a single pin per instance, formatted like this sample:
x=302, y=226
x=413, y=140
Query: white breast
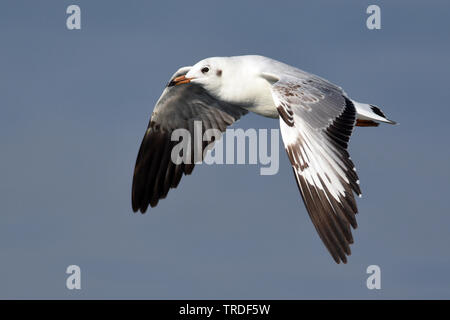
x=264, y=103
x=243, y=85
x=255, y=96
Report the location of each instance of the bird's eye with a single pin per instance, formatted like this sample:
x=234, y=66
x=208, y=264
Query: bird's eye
x=205, y=69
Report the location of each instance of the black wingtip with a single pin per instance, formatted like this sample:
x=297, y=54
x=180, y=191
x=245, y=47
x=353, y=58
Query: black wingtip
x=377, y=111
x=134, y=204
x=392, y=122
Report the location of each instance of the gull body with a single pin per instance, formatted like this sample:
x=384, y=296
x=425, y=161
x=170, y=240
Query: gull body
x=247, y=81
x=316, y=120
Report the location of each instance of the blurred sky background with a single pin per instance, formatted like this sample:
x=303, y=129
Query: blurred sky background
x=75, y=105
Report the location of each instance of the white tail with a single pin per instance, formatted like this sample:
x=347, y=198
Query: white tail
x=369, y=113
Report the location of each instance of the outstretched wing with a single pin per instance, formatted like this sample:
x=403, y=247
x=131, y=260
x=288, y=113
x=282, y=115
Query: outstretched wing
x=316, y=121
x=178, y=107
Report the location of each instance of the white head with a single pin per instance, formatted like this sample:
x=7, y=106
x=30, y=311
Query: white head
x=210, y=73
x=227, y=78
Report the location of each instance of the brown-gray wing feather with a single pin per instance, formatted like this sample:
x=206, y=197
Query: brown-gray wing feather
x=316, y=124
x=179, y=106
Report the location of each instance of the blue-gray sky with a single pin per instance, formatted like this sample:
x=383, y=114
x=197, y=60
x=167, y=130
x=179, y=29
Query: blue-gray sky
x=74, y=107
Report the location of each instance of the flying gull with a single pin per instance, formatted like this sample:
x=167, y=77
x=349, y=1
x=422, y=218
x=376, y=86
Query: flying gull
x=316, y=121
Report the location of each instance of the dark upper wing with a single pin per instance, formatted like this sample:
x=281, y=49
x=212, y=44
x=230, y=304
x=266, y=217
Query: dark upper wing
x=316, y=121
x=178, y=107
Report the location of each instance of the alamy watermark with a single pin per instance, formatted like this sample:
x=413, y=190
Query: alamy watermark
x=373, y=21
x=73, y=281
x=235, y=149
x=73, y=22
x=374, y=280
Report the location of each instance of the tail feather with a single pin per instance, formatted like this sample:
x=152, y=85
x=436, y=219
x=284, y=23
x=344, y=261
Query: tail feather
x=369, y=115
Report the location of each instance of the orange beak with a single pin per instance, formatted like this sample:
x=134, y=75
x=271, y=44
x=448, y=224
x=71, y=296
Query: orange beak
x=179, y=80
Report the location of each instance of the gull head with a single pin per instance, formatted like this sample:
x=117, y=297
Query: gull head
x=208, y=73
x=229, y=79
